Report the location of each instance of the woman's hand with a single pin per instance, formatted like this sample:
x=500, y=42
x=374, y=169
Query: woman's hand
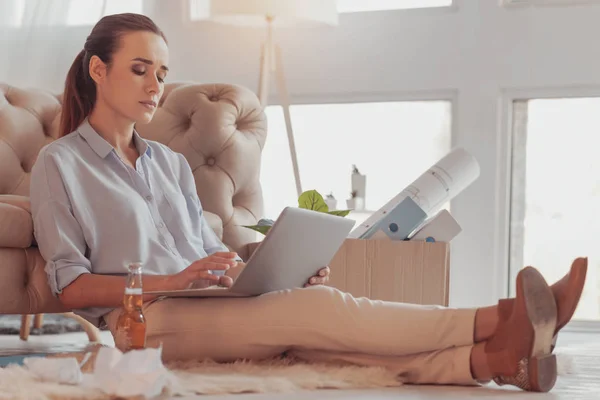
x=321, y=278
x=198, y=273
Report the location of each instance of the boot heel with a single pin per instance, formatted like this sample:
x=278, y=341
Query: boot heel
x=542, y=373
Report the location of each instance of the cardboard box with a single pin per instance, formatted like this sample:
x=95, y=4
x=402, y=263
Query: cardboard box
x=404, y=271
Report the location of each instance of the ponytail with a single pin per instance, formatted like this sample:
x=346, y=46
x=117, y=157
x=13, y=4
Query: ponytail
x=79, y=95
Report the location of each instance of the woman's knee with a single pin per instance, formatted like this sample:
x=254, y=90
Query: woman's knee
x=311, y=296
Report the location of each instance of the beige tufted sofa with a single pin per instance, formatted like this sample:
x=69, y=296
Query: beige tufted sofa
x=220, y=129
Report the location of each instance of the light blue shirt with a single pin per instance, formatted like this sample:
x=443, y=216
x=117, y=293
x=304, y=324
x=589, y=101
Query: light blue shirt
x=93, y=213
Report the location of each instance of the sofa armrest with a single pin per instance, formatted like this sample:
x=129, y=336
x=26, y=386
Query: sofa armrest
x=16, y=224
x=24, y=283
x=18, y=201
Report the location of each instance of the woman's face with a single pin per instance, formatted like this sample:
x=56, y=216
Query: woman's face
x=134, y=82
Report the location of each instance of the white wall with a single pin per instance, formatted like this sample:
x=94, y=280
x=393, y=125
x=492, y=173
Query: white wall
x=476, y=49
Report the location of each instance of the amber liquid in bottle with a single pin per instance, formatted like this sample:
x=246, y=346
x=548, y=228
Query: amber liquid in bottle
x=131, y=325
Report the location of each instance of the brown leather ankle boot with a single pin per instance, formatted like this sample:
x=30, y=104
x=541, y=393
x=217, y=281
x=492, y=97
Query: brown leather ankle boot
x=519, y=353
x=567, y=292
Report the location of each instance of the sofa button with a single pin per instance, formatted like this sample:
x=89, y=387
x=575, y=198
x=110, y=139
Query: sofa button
x=210, y=161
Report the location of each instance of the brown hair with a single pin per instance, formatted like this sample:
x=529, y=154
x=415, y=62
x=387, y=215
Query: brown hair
x=79, y=95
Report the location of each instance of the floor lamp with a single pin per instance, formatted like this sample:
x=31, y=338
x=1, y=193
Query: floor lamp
x=271, y=13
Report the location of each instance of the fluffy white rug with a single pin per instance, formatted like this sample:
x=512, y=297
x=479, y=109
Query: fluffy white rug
x=270, y=376
x=278, y=375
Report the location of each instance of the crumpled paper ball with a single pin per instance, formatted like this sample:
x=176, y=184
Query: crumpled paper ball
x=136, y=373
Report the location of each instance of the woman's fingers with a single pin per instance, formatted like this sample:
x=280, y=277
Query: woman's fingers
x=217, y=266
x=221, y=260
x=210, y=265
x=318, y=280
x=225, y=281
x=231, y=263
x=207, y=276
x=224, y=254
x=324, y=271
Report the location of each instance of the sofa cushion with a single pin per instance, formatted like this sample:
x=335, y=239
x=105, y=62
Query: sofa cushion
x=29, y=119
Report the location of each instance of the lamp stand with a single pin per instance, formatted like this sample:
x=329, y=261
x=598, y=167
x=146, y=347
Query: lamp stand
x=271, y=63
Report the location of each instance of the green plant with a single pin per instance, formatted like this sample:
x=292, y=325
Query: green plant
x=309, y=200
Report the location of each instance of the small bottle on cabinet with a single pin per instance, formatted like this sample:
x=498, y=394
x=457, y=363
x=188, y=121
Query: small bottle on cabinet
x=131, y=324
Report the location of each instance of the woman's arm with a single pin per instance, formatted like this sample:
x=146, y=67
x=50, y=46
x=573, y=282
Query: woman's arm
x=93, y=290
x=58, y=234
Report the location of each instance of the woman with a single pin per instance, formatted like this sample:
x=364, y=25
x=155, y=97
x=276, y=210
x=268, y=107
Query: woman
x=101, y=195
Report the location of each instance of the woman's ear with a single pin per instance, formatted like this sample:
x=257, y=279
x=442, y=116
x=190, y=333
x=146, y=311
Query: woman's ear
x=97, y=69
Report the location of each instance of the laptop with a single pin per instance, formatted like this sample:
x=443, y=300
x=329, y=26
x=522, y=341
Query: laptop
x=298, y=245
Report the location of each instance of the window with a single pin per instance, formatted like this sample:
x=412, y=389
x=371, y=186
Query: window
x=392, y=143
x=88, y=12
x=349, y=6
x=19, y=13
x=200, y=8
x=555, y=213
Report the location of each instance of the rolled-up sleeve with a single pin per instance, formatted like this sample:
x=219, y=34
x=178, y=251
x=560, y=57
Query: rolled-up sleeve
x=211, y=242
x=58, y=234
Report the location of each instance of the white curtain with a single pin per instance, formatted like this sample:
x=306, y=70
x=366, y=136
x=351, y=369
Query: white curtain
x=40, y=38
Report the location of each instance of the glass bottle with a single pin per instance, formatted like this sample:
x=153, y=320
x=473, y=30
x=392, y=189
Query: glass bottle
x=131, y=324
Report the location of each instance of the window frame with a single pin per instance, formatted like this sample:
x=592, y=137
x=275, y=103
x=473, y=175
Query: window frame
x=505, y=274
x=450, y=95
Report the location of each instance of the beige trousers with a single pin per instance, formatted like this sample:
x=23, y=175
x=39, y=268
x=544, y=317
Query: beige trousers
x=422, y=344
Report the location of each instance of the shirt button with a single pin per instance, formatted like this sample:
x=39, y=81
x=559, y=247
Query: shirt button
x=149, y=197
x=161, y=225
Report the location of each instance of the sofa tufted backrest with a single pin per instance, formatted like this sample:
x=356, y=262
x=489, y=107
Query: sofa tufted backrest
x=220, y=129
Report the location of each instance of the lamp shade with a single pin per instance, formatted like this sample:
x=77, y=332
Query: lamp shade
x=283, y=12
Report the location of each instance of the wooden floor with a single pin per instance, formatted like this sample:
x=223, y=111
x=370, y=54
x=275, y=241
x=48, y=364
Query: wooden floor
x=578, y=353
